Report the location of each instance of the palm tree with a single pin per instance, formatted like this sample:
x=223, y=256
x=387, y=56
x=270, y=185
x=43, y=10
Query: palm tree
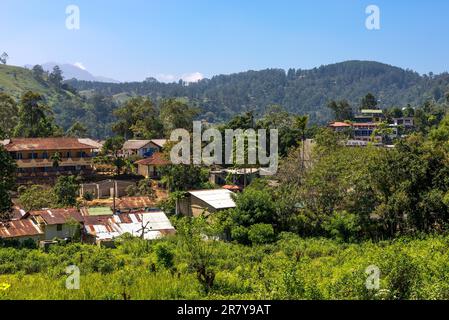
x=56, y=158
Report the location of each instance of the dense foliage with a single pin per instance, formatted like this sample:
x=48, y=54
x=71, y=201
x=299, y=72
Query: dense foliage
x=291, y=268
x=299, y=91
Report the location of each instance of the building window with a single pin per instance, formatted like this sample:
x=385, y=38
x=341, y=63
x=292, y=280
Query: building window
x=69, y=155
x=59, y=227
x=45, y=155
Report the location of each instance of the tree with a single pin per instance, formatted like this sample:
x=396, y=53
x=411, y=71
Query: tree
x=38, y=72
x=77, y=130
x=8, y=115
x=56, y=77
x=36, y=198
x=66, y=191
x=369, y=102
x=137, y=118
x=181, y=177
x=56, y=159
x=7, y=182
x=4, y=58
x=342, y=110
x=111, y=150
x=176, y=114
x=35, y=118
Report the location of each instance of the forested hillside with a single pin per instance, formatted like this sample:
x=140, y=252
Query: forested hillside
x=223, y=96
x=299, y=91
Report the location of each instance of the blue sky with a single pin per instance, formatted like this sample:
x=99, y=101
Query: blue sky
x=169, y=39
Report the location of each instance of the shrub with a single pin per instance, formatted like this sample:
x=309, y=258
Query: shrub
x=164, y=255
x=240, y=234
x=342, y=226
x=261, y=233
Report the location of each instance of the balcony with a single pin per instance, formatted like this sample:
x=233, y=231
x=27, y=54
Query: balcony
x=41, y=163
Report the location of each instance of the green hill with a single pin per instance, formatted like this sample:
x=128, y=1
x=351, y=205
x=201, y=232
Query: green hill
x=299, y=91
x=16, y=80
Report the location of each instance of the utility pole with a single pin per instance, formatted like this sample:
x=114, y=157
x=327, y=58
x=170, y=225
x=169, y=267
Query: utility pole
x=113, y=196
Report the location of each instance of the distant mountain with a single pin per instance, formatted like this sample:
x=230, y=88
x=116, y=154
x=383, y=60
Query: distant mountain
x=299, y=91
x=71, y=71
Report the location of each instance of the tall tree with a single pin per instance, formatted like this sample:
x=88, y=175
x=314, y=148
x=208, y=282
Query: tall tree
x=137, y=118
x=8, y=115
x=66, y=191
x=111, y=152
x=369, y=102
x=56, y=77
x=35, y=119
x=342, y=110
x=7, y=181
x=38, y=72
x=176, y=114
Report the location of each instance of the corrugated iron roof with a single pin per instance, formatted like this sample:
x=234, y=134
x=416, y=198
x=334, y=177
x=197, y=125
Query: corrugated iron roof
x=156, y=225
x=58, y=216
x=216, y=198
x=19, y=228
x=135, y=144
x=159, y=142
x=129, y=203
x=39, y=144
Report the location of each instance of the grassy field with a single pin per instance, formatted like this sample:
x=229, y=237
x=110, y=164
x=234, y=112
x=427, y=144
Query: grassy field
x=291, y=268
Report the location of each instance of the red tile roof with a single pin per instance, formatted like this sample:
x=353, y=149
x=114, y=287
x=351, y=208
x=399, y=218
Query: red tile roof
x=19, y=228
x=58, y=216
x=157, y=159
x=39, y=144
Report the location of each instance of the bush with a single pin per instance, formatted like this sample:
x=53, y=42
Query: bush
x=342, y=226
x=261, y=233
x=88, y=196
x=164, y=255
x=240, y=234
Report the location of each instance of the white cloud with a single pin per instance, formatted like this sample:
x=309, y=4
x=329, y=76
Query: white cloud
x=79, y=65
x=192, y=77
x=187, y=77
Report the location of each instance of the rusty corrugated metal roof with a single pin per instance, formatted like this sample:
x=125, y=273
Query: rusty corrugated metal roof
x=157, y=159
x=39, y=144
x=58, y=216
x=19, y=228
x=129, y=203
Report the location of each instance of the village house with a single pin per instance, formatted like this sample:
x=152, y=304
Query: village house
x=148, y=167
x=143, y=148
x=147, y=225
x=205, y=202
x=21, y=230
x=35, y=157
x=57, y=223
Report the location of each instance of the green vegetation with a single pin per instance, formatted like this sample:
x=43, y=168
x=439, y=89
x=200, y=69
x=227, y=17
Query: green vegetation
x=291, y=268
x=299, y=91
x=7, y=183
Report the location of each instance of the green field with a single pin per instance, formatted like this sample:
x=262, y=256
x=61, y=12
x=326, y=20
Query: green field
x=291, y=268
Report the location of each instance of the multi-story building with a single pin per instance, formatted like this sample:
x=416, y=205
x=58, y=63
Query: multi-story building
x=46, y=157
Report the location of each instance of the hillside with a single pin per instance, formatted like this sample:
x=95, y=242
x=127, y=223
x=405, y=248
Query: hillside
x=222, y=96
x=299, y=91
x=16, y=80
